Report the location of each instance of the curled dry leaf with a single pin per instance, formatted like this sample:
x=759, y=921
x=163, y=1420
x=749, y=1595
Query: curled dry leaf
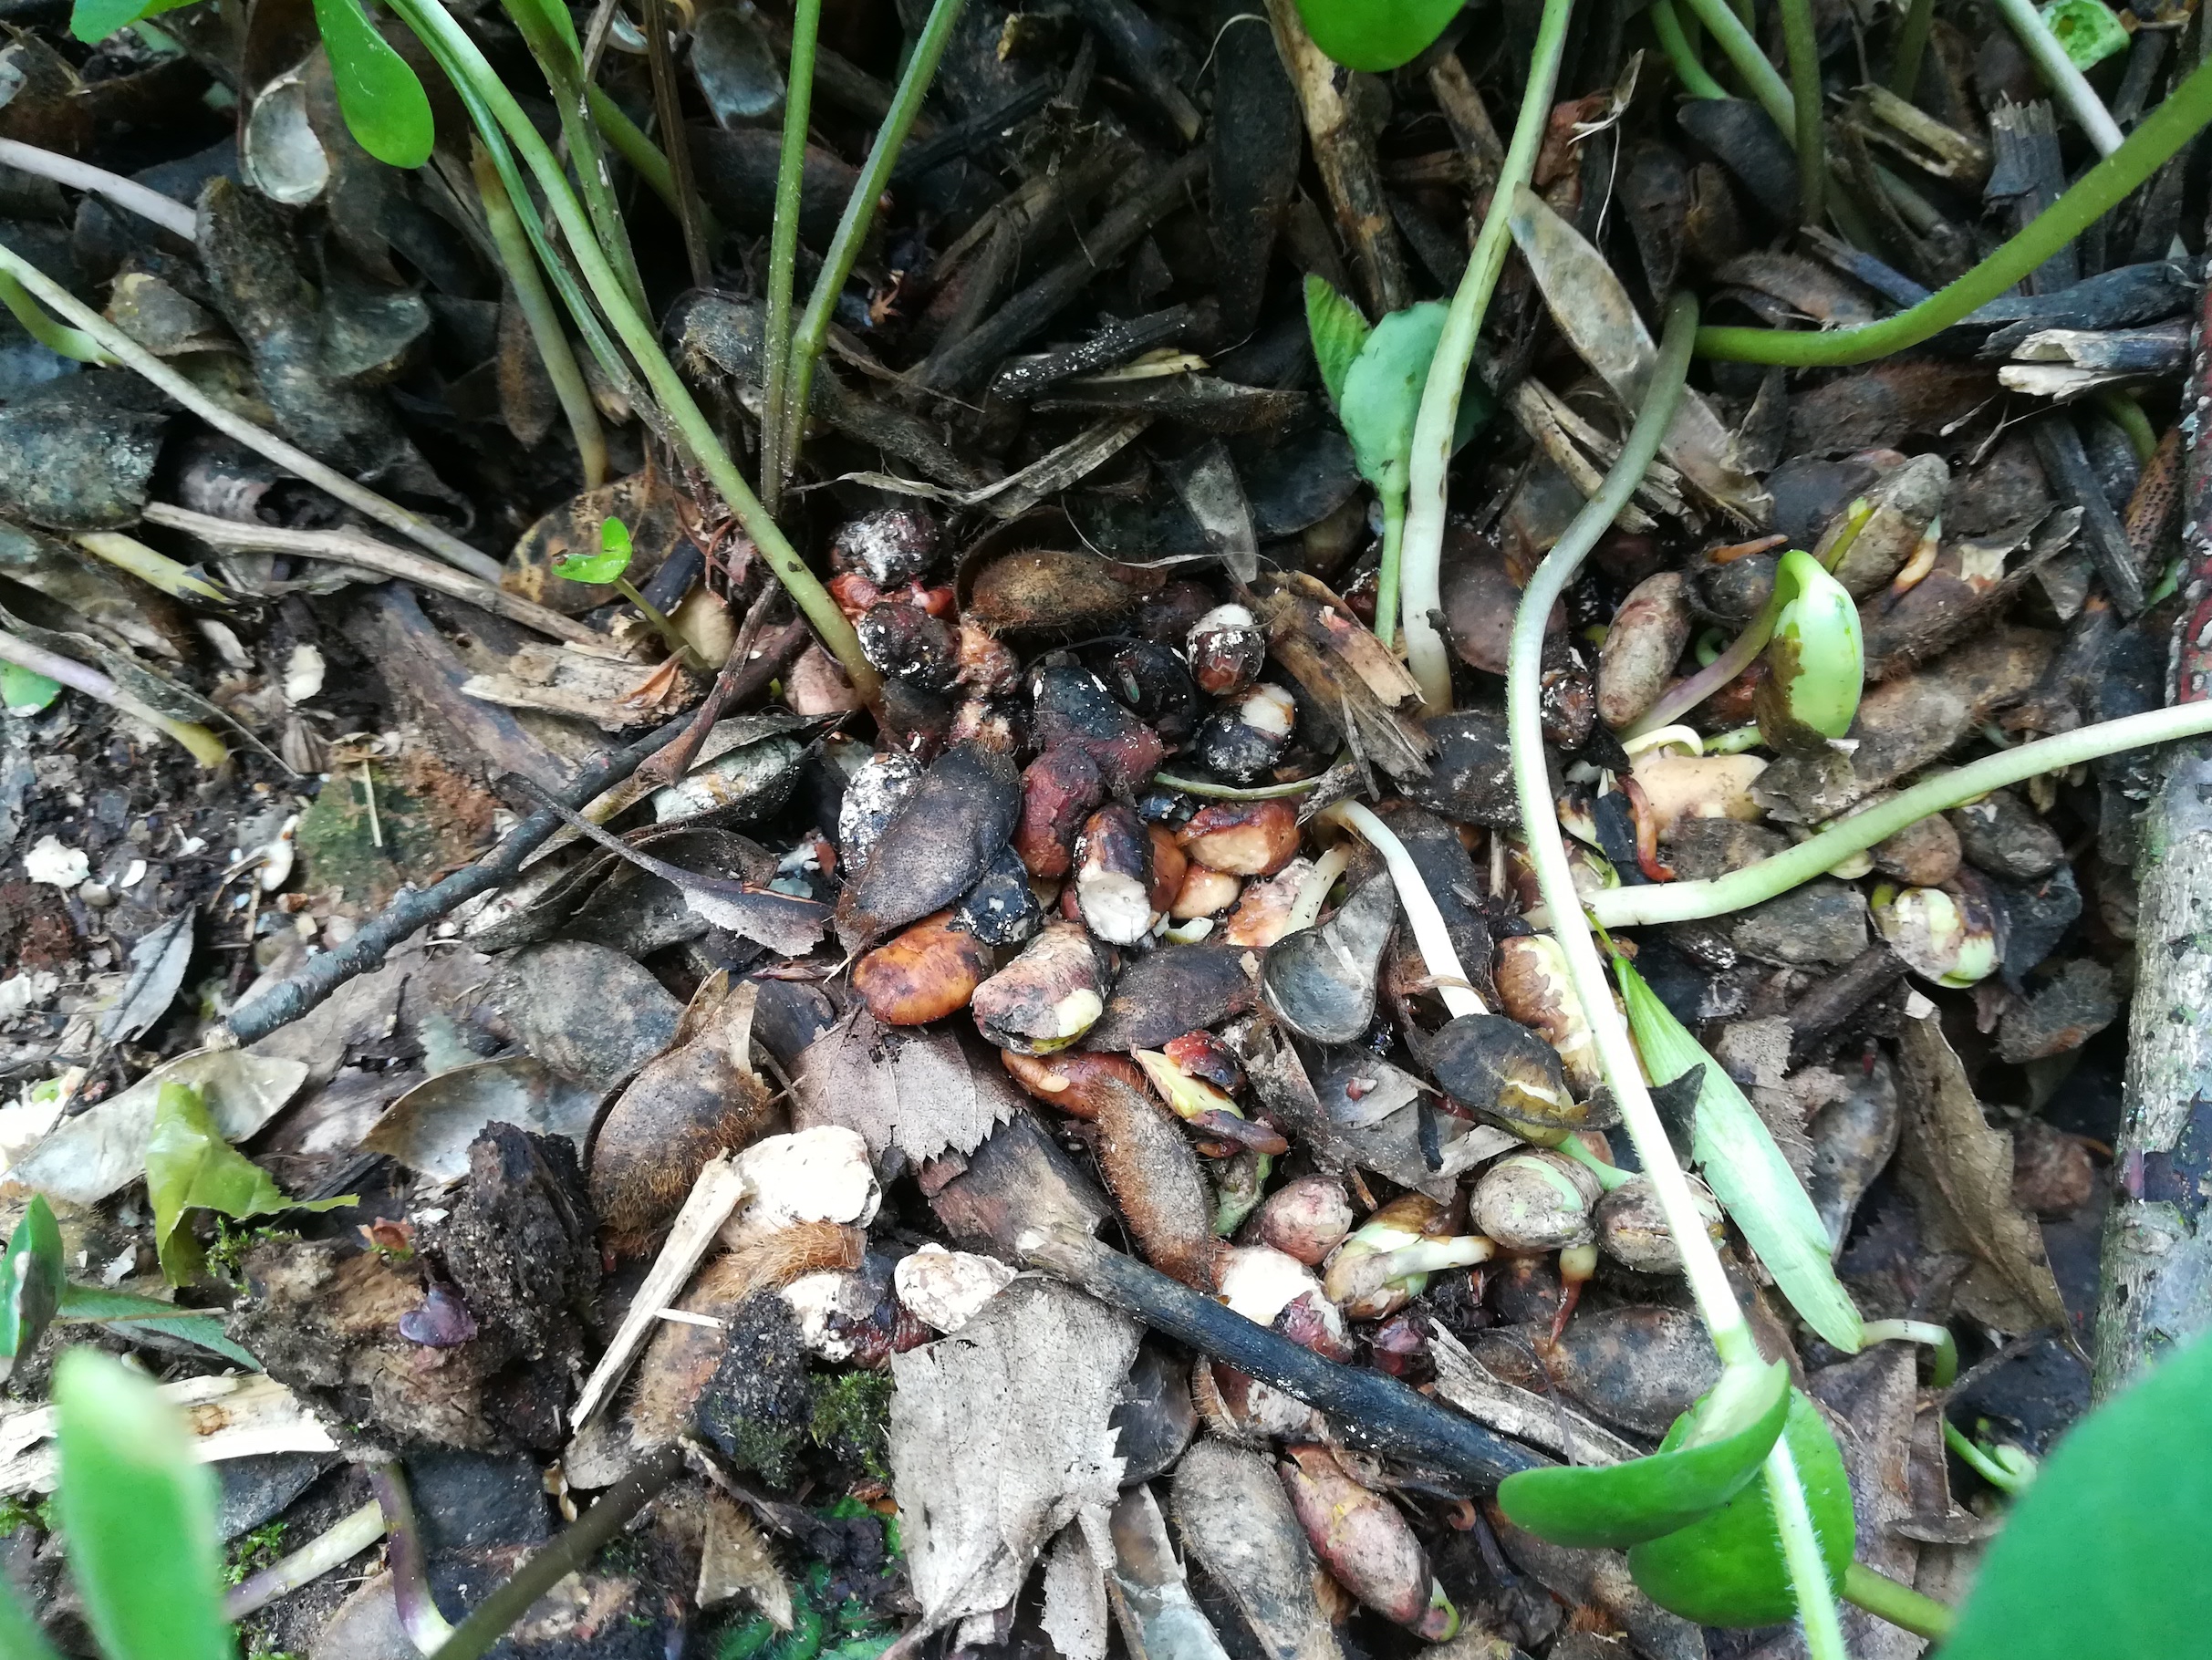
x=429, y=1128
x=999, y=1437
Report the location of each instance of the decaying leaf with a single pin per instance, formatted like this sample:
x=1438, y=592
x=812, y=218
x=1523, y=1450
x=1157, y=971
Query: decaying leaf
x=189, y=1166
x=1594, y=312
x=999, y=1437
x=429, y=1128
x=229, y=1418
x=1960, y=1172
x=103, y=1147
x=917, y=1091
x=157, y=969
x=1075, y=1615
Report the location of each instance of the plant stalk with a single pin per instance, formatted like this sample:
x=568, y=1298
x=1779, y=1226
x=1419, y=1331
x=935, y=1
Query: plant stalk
x=1387, y=573
x=852, y=225
x=408, y=1558
x=156, y=569
x=2162, y=134
x=140, y=361
x=57, y=338
x=1738, y=46
x=784, y=249
x=575, y=1546
x=2066, y=81
x=535, y=301
x=206, y=748
x=1911, y=48
x=1901, y=1605
x=667, y=112
x=1716, y=1301
x=1690, y=901
x=1422, y=551
x=1697, y=80
x=348, y=1536
x=171, y=215
x=465, y=63
x=1438, y=952
x=1801, y=42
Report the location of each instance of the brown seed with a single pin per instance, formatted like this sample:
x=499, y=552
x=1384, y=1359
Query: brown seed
x=1263, y=914
x=1642, y=647
x=1632, y=1228
x=1047, y=997
x=924, y=974
x=1203, y=892
x=1925, y=853
x=1677, y=787
x=1114, y=875
x=1073, y=1083
x=1059, y=791
x=1306, y=1219
x=1364, y=1542
x=1170, y=866
x=1535, y=1201
x=1534, y=987
x=1252, y=838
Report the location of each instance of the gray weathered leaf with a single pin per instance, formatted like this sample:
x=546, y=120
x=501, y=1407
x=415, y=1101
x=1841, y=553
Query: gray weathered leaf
x=429, y=1128
x=915, y=1090
x=157, y=969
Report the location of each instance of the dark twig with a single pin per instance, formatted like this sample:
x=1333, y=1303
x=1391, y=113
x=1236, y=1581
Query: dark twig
x=515, y=784
x=577, y=1545
x=417, y=908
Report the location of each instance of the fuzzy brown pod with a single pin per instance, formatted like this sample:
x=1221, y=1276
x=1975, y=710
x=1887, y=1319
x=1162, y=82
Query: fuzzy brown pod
x=940, y=838
x=1043, y=589
x=1155, y=1179
x=1365, y=1543
x=929, y=971
x=1489, y=1063
x=1252, y=838
x=1072, y=1083
x=1642, y=647
x=1321, y=981
x=1047, y=997
x=700, y=1099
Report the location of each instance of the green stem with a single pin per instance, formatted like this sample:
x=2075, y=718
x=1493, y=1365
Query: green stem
x=144, y=364
x=465, y=63
x=1801, y=42
x=1230, y=792
x=558, y=60
x=1609, y=1177
x=1624, y=1072
x=2127, y=415
x=1689, y=69
x=1439, y=955
x=1943, y=1366
x=1690, y=901
x=2065, y=78
x=784, y=249
x=671, y=635
x=2162, y=134
x=206, y=748
x=129, y=554
x=1386, y=572
x=1901, y=1605
x=1421, y=557
x=1742, y=51
x=2009, y=1482
x=1912, y=48
x=853, y=226
x=56, y=337
x=535, y=302
x=1687, y=693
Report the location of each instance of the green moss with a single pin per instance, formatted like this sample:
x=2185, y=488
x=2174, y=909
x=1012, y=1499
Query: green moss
x=365, y=852
x=851, y=1420
x=254, y=1552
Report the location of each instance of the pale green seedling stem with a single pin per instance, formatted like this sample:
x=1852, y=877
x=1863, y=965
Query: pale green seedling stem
x=56, y=337
x=1430, y=466
x=853, y=226
x=2065, y=79
x=784, y=249
x=1697, y=80
x=1716, y=1301
x=462, y=60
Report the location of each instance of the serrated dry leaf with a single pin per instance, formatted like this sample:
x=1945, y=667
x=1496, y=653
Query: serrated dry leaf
x=1959, y=1173
x=999, y=1437
x=1595, y=314
x=917, y=1091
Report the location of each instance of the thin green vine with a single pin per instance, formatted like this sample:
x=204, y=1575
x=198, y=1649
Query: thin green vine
x=2160, y=136
x=1689, y=69
x=1801, y=42
x=784, y=249
x=1422, y=554
x=1716, y=1301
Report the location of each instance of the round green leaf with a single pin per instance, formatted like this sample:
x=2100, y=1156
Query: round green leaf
x=613, y=558
x=32, y=1276
x=139, y=1516
x=1382, y=393
x=22, y=692
x=1375, y=34
x=2104, y=1554
x=378, y=93
x=1817, y=661
x=1613, y=1506
x=1728, y=1570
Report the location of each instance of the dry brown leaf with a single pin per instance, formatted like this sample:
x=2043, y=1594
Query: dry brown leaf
x=916, y=1091
x=999, y=1437
x=1959, y=1173
x=1595, y=314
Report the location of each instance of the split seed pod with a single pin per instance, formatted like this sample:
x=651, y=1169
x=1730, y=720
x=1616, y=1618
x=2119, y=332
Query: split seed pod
x=1114, y=875
x=1489, y=1063
x=1535, y=1201
x=1227, y=652
x=1534, y=987
x=1944, y=934
x=1365, y=1543
x=1047, y=997
x=1244, y=838
x=1320, y=981
x=1817, y=661
x=1387, y=1261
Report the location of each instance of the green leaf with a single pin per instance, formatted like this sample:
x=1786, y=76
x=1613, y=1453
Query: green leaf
x=1382, y=393
x=82, y=1303
x=1375, y=34
x=612, y=559
x=22, y=692
x=378, y=92
x=32, y=1276
x=1728, y=1570
x=1338, y=330
x=2104, y=1553
x=92, y=21
x=20, y=1638
x=2087, y=29
x=1745, y=1169
x=189, y=1166
x=1613, y=1506
x=140, y=1516
x=1816, y=657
